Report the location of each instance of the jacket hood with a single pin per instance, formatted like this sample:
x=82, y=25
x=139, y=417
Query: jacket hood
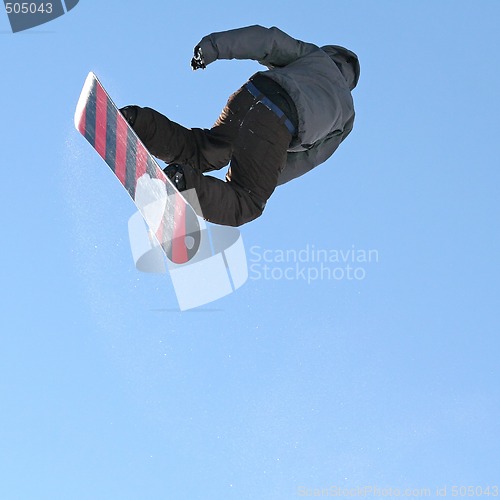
x=346, y=61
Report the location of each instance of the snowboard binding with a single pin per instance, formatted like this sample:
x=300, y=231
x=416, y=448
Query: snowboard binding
x=130, y=114
x=175, y=173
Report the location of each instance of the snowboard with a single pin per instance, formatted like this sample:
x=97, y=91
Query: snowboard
x=169, y=216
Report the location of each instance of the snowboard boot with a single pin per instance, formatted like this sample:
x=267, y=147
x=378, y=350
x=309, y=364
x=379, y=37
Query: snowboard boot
x=175, y=173
x=130, y=114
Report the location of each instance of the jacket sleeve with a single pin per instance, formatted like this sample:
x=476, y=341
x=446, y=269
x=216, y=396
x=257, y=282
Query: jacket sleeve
x=269, y=46
x=298, y=164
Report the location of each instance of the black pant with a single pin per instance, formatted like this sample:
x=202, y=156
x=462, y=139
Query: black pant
x=247, y=135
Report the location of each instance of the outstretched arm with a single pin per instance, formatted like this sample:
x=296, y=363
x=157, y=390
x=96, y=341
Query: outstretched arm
x=269, y=46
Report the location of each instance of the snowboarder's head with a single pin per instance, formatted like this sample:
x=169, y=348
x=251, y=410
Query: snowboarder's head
x=346, y=61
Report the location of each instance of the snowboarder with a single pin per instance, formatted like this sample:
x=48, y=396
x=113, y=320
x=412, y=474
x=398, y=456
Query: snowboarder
x=282, y=123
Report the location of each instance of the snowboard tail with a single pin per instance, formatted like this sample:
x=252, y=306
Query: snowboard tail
x=98, y=119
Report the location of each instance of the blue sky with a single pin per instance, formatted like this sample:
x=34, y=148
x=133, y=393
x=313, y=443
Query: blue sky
x=108, y=391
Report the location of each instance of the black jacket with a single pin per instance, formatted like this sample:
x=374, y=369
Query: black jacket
x=319, y=80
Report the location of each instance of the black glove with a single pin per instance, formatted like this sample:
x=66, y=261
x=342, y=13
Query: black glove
x=197, y=61
x=130, y=114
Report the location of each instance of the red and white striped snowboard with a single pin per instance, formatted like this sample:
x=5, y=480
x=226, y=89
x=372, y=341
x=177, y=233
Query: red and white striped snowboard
x=169, y=216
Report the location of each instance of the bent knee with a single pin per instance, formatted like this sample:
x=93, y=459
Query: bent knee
x=251, y=212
